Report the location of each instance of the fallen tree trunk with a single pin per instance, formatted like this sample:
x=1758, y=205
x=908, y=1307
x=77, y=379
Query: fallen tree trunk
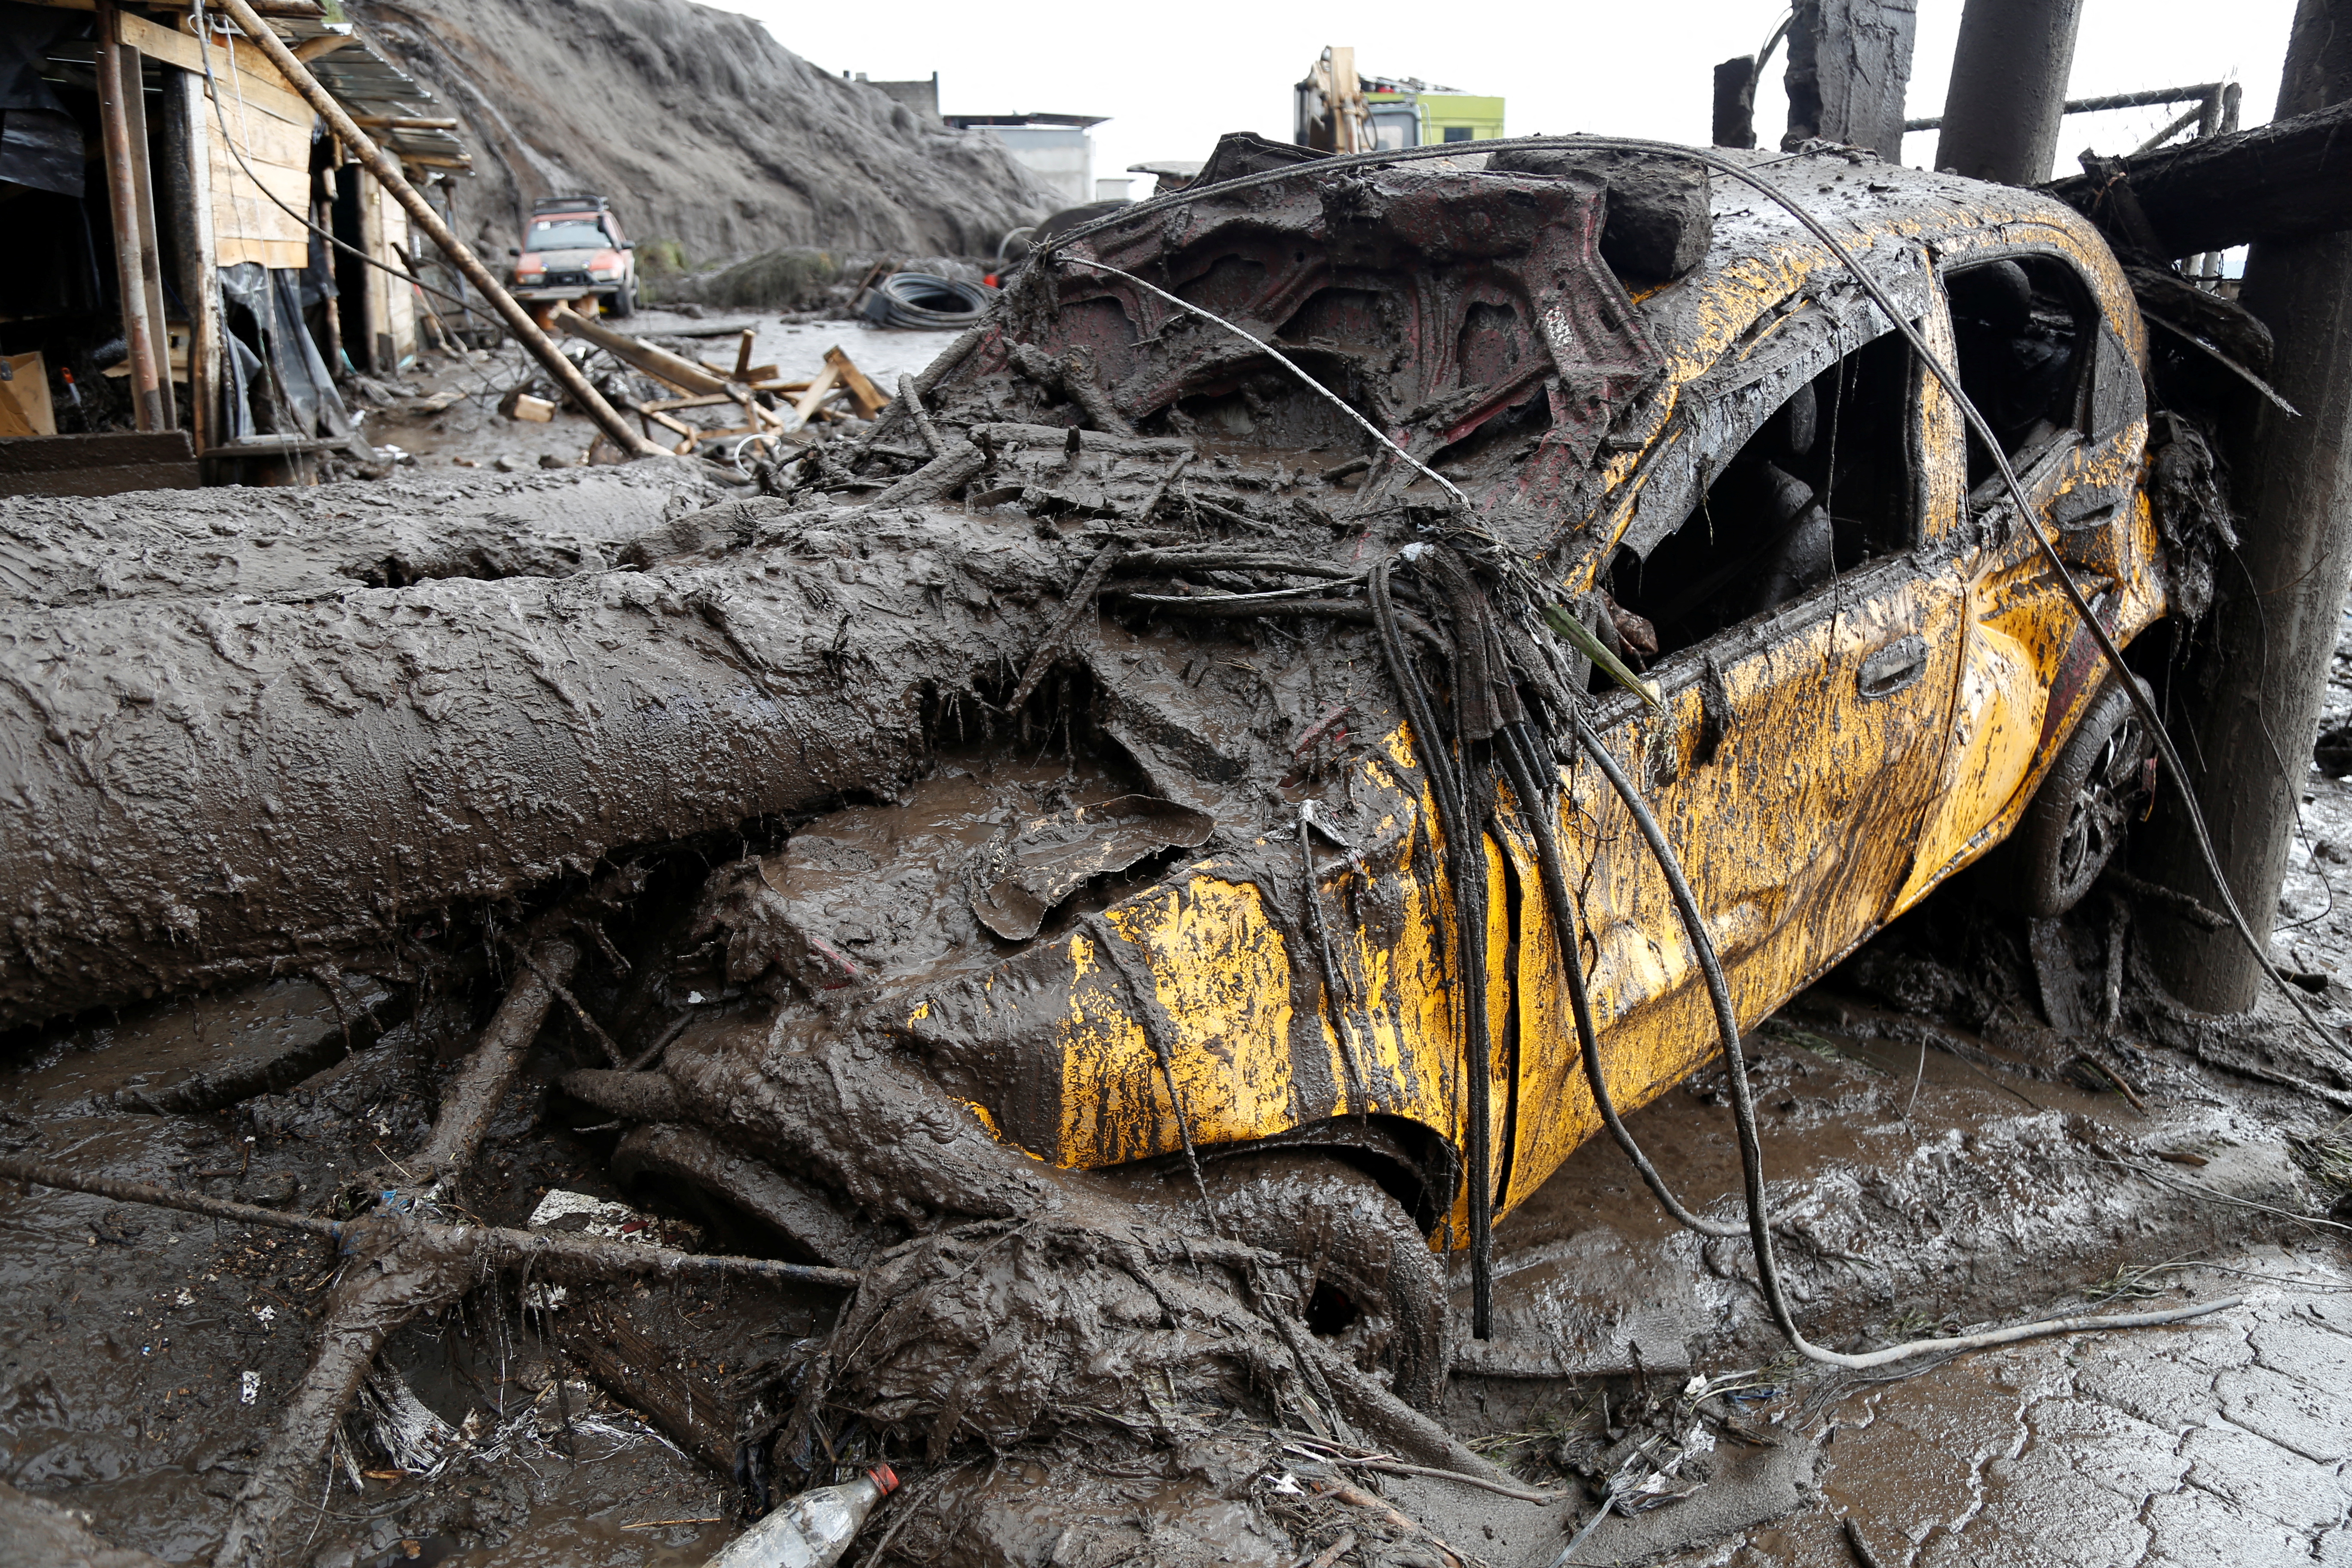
x=2286, y=180
x=200, y=790
x=291, y=544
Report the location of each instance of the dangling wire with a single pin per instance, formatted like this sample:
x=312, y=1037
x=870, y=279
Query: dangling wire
x=1465, y=850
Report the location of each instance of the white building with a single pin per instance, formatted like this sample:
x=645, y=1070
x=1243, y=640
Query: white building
x=1053, y=147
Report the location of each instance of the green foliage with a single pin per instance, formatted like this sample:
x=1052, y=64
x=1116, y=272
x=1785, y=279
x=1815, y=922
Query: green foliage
x=661, y=259
x=791, y=278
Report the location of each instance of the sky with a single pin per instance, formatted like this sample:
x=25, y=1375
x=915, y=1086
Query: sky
x=1173, y=78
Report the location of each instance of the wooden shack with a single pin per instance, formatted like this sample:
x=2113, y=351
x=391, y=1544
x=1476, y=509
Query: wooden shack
x=171, y=310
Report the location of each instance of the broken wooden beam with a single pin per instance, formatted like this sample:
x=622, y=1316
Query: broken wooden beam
x=868, y=397
x=2291, y=179
x=1849, y=63
x=672, y=370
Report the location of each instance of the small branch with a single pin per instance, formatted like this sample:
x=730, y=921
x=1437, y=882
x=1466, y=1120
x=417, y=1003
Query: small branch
x=2172, y=899
x=1082, y=599
x=612, y=1049
x=497, y=1246
x=913, y=401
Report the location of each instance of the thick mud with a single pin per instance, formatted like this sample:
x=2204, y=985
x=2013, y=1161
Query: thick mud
x=803, y=796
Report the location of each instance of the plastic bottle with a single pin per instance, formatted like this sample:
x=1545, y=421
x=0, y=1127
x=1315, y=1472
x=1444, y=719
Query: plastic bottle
x=811, y=1529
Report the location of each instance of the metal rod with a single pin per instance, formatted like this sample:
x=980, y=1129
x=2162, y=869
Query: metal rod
x=2151, y=98
x=567, y=374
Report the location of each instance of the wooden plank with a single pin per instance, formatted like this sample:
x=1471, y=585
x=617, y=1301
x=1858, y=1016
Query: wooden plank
x=658, y=363
x=2286, y=180
x=309, y=50
x=29, y=389
x=807, y=401
x=277, y=255
x=165, y=44
x=862, y=392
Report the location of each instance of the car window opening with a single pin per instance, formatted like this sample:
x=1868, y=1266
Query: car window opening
x=1823, y=486
x=567, y=236
x=2020, y=324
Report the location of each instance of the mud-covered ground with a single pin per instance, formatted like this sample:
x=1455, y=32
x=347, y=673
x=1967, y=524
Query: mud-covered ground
x=1949, y=1185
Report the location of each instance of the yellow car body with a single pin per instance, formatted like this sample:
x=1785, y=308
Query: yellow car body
x=1831, y=799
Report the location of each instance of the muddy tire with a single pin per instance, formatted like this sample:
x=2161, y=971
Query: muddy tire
x=1374, y=1290
x=624, y=301
x=2081, y=813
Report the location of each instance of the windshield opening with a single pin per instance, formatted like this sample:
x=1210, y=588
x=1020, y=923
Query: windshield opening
x=567, y=234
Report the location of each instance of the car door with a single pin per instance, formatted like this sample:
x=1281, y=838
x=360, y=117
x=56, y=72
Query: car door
x=2027, y=665
x=1793, y=766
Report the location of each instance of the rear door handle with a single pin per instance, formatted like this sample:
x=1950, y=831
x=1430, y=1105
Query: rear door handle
x=1897, y=665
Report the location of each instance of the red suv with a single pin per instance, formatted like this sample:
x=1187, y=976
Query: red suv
x=574, y=247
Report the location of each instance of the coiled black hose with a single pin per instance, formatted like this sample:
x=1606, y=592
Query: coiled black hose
x=924, y=300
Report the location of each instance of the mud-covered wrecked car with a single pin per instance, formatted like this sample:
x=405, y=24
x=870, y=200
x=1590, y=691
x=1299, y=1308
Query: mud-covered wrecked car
x=1071, y=731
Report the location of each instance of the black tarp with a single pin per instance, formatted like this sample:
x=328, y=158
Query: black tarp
x=40, y=141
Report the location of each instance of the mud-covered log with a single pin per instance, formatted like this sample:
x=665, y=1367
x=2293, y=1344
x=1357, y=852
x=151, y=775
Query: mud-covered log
x=289, y=544
x=2288, y=180
x=202, y=790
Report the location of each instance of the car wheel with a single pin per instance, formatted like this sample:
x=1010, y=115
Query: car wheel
x=2081, y=813
x=624, y=303
x=1371, y=1288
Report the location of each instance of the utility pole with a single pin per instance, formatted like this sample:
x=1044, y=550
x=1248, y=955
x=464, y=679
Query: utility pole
x=2008, y=90
x=2251, y=690
x=1849, y=68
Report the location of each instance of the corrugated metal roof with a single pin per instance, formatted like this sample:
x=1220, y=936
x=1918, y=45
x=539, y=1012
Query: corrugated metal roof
x=368, y=84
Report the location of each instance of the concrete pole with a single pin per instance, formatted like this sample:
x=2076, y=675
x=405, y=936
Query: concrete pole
x=2251, y=691
x=2008, y=90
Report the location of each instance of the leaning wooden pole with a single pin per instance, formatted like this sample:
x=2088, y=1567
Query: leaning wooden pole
x=2253, y=688
x=387, y=170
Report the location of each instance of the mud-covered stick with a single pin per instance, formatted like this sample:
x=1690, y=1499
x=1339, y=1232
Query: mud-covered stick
x=913, y=401
x=469, y=1104
x=35, y=1171
x=1082, y=599
x=498, y=1244
x=1860, y=1548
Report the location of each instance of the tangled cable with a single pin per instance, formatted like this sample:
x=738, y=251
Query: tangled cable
x=924, y=300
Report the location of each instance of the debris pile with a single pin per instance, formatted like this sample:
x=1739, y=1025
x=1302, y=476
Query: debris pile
x=1023, y=884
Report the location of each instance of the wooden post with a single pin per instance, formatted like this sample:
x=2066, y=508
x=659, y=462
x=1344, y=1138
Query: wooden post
x=375, y=316
x=560, y=368
x=150, y=253
x=2008, y=90
x=187, y=202
x=1849, y=68
x=142, y=329
x=2251, y=694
